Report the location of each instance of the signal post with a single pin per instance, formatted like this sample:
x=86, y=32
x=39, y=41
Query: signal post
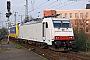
x=8, y=14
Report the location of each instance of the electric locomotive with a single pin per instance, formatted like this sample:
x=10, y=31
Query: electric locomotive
x=50, y=32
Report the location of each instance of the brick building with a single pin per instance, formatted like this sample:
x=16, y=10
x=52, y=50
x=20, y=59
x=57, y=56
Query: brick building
x=79, y=18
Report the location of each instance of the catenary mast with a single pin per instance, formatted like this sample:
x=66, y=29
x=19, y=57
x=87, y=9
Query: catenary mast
x=26, y=10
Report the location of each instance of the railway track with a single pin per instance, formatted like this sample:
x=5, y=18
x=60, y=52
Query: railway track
x=53, y=55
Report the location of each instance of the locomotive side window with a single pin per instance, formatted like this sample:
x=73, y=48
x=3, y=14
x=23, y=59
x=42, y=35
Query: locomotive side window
x=43, y=30
x=46, y=25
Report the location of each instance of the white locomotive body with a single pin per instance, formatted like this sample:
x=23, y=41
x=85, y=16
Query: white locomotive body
x=52, y=31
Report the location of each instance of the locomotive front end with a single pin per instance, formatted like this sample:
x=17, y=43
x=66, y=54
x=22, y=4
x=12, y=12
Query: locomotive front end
x=63, y=34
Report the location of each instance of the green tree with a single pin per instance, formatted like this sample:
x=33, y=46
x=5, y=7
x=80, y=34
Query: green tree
x=81, y=39
x=4, y=31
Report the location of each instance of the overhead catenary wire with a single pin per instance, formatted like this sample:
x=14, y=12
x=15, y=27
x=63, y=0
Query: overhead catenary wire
x=43, y=5
x=15, y=8
x=65, y=4
x=39, y=6
x=61, y=6
x=21, y=10
x=47, y=3
x=69, y=4
x=55, y=5
x=29, y=4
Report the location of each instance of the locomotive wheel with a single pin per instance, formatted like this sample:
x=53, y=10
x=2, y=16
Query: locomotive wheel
x=44, y=45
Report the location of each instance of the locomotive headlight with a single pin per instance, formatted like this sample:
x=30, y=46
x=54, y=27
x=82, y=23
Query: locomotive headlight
x=58, y=37
x=70, y=37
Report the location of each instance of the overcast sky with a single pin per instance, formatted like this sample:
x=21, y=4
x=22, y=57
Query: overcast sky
x=38, y=6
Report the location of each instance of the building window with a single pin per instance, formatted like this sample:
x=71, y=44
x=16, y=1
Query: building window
x=65, y=15
x=70, y=15
x=87, y=15
x=81, y=22
x=87, y=22
x=76, y=22
x=76, y=15
x=81, y=15
x=86, y=29
x=60, y=15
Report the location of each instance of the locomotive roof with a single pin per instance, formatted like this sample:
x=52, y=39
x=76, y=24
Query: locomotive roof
x=58, y=18
x=31, y=22
x=39, y=21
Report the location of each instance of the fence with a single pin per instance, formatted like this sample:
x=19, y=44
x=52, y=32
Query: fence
x=87, y=45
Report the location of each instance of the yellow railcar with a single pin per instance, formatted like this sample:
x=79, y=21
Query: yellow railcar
x=14, y=31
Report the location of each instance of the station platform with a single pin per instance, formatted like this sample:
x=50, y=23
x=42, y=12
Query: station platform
x=9, y=52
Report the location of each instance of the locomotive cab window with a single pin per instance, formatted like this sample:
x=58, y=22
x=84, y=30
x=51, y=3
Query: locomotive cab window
x=66, y=24
x=61, y=24
x=56, y=23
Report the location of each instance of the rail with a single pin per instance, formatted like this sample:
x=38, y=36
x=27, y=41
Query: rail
x=53, y=55
x=87, y=45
